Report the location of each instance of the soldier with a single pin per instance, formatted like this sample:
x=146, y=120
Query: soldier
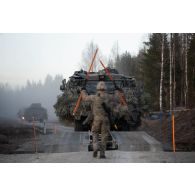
x=101, y=123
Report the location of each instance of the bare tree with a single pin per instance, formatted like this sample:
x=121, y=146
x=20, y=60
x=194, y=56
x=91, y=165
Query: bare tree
x=161, y=71
x=186, y=69
x=88, y=54
x=170, y=71
x=115, y=51
x=114, y=55
x=174, y=81
x=181, y=62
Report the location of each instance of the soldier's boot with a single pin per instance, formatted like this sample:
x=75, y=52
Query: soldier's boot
x=103, y=145
x=95, y=153
x=102, y=154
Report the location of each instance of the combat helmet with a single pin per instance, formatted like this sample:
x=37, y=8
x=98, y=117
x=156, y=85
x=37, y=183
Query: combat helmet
x=101, y=86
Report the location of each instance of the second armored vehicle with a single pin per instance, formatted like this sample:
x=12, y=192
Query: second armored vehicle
x=35, y=112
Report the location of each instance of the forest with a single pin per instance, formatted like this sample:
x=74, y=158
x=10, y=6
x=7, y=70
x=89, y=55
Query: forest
x=12, y=100
x=165, y=66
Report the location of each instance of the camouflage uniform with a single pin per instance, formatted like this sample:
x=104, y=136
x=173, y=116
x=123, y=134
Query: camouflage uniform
x=101, y=122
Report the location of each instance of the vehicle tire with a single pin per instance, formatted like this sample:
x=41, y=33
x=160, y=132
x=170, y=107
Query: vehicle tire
x=136, y=118
x=123, y=125
x=78, y=125
x=90, y=148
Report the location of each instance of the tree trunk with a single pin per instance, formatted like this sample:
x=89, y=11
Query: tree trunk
x=174, y=81
x=186, y=70
x=161, y=72
x=182, y=69
x=170, y=72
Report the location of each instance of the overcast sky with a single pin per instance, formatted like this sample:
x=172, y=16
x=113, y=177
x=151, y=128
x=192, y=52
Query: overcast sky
x=33, y=56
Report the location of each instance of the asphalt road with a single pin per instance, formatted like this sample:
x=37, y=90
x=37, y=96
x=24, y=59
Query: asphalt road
x=62, y=139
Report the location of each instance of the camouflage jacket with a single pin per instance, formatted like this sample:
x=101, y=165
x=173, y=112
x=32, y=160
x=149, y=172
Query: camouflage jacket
x=98, y=99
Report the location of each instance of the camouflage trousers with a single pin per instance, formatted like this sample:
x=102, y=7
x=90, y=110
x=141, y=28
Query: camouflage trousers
x=100, y=127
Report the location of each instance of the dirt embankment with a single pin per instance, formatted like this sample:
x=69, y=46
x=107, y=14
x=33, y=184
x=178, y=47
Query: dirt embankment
x=13, y=134
x=184, y=130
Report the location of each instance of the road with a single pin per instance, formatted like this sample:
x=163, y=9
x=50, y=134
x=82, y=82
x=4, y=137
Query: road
x=65, y=139
x=62, y=144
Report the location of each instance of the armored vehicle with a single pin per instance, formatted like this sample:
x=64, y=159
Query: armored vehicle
x=82, y=118
x=35, y=112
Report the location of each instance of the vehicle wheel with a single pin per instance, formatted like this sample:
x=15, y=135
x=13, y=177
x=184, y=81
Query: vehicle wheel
x=90, y=148
x=123, y=125
x=136, y=118
x=78, y=125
